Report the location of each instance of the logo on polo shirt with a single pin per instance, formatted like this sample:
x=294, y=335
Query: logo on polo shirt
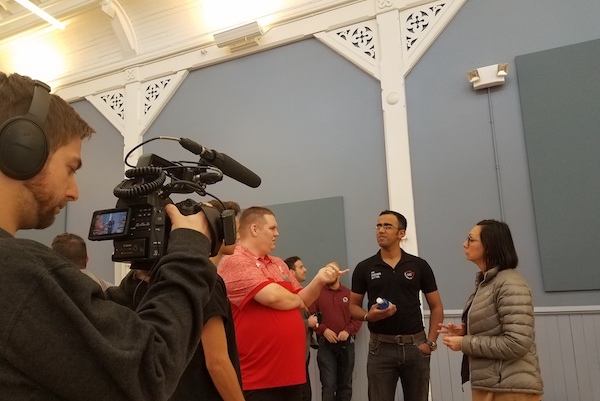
x=409, y=274
x=375, y=275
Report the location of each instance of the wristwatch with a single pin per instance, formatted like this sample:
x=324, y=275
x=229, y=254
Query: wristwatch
x=431, y=344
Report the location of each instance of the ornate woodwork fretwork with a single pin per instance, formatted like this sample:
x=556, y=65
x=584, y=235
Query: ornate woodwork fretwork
x=132, y=108
x=152, y=92
x=418, y=21
x=362, y=37
x=418, y=27
x=115, y=100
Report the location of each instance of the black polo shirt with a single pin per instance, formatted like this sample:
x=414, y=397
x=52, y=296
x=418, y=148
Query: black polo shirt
x=399, y=285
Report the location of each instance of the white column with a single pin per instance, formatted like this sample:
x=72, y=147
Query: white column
x=395, y=123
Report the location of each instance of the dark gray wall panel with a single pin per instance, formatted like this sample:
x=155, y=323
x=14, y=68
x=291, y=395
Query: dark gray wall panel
x=560, y=97
x=297, y=224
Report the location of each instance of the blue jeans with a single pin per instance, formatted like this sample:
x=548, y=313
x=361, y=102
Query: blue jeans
x=336, y=364
x=388, y=362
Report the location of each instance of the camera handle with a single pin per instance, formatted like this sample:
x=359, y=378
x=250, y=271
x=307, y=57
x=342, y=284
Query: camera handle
x=221, y=224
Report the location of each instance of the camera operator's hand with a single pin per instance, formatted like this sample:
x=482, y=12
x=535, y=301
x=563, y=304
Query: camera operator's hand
x=197, y=222
x=142, y=275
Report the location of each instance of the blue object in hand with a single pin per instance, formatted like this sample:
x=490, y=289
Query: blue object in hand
x=382, y=303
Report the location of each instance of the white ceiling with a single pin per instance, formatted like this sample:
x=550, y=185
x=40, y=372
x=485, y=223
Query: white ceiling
x=138, y=32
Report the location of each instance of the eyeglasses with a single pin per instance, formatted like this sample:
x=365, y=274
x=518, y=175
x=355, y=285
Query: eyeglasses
x=469, y=240
x=386, y=227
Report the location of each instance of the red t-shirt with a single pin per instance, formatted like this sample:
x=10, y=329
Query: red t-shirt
x=271, y=342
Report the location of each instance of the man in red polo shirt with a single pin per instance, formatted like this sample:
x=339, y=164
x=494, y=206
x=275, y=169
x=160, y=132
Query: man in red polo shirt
x=336, y=340
x=265, y=298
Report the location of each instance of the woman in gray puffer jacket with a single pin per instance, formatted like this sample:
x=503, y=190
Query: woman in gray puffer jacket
x=497, y=334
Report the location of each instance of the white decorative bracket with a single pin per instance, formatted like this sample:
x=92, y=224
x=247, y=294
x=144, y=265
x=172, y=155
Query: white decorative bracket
x=419, y=28
x=133, y=108
x=357, y=43
x=122, y=25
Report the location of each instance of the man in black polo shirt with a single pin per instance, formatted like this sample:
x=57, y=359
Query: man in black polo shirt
x=398, y=346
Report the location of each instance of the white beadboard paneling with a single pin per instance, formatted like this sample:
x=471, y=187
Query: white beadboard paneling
x=566, y=347
x=581, y=356
x=594, y=349
x=590, y=365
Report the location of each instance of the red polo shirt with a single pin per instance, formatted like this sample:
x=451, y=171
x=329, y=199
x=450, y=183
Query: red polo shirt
x=271, y=342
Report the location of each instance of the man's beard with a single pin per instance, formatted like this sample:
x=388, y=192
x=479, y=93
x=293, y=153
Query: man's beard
x=45, y=205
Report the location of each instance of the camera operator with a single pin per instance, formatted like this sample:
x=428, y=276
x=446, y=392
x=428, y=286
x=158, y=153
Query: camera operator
x=61, y=337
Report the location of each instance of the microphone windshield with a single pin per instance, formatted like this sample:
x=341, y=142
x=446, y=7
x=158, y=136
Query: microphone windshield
x=235, y=170
x=226, y=164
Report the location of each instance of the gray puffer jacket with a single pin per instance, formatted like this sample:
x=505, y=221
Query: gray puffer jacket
x=500, y=341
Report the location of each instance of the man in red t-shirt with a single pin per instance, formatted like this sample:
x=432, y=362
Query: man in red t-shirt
x=265, y=298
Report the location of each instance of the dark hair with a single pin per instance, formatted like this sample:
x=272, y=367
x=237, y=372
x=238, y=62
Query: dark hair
x=401, y=219
x=228, y=205
x=72, y=247
x=291, y=261
x=498, y=244
x=62, y=124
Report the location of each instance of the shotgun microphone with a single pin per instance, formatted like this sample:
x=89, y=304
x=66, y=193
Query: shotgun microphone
x=226, y=164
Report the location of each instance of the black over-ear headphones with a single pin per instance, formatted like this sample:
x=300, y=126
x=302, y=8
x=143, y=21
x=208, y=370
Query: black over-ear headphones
x=23, y=143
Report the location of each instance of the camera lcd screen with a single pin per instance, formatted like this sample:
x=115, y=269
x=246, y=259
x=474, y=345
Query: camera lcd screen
x=110, y=223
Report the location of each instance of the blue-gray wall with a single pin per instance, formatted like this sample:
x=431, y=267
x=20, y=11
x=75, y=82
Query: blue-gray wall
x=451, y=144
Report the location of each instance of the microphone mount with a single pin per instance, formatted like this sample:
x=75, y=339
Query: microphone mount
x=219, y=163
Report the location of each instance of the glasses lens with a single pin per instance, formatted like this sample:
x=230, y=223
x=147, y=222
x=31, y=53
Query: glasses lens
x=386, y=227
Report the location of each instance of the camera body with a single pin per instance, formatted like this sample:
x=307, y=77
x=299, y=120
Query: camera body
x=139, y=225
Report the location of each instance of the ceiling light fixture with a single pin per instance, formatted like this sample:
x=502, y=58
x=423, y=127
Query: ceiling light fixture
x=239, y=38
x=42, y=14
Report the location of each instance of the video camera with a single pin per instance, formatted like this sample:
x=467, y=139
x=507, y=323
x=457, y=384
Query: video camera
x=139, y=225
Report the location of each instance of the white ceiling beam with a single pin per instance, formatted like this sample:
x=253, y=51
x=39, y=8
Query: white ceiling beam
x=122, y=26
